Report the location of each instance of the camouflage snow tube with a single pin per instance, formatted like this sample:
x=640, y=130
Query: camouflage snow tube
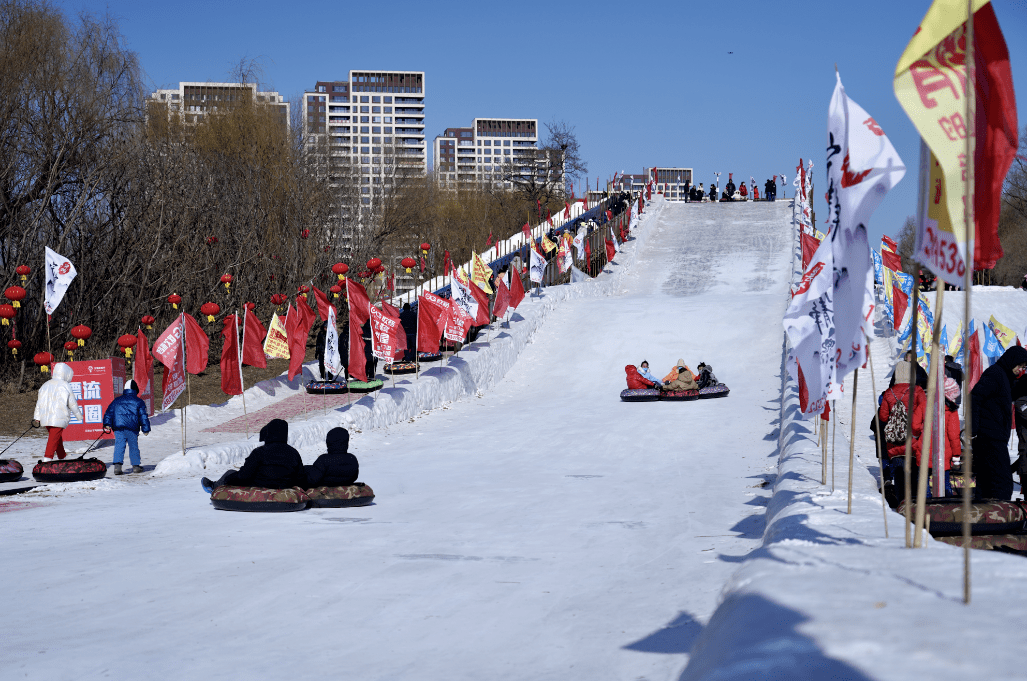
x=10, y=470
x=987, y=517
x=69, y=470
x=429, y=356
x=259, y=499
x=709, y=392
x=680, y=395
x=1012, y=543
x=640, y=395
x=397, y=368
x=357, y=494
x=339, y=387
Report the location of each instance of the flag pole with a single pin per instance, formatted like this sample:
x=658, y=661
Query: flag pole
x=242, y=384
x=970, y=99
x=852, y=435
x=877, y=438
x=417, y=333
x=823, y=452
x=189, y=392
x=907, y=461
x=925, y=437
x=834, y=432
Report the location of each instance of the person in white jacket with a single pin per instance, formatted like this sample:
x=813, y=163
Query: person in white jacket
x=54, y=407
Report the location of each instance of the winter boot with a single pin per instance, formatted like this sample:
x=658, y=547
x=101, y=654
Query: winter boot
x=208, y=485
x=137, y=469
x=117, y=469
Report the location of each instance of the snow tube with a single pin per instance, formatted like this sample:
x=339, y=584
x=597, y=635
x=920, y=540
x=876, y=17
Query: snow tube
x=397, y=368
x=362, y=387
x=259, y=499
x=10, y=470
x=429, y=356
x=680, y=395
x=709, y=392
x=987, y=516
x=640, y=395
x=1011, y=543
x=339, y=387
x=357, y=494
x=69, y=470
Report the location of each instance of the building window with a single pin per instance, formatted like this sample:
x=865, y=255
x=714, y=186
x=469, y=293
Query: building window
x=376, y=100
x=365, y=129
x=363, y=100
x=376, y=109
x=388, y=130
x=364, y=119
x=365, y=109
x=388, y=109
x=365, y=150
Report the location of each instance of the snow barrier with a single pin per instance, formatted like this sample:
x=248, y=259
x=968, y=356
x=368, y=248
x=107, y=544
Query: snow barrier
x=478, y=366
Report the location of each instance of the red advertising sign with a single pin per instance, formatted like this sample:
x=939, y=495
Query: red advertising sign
x=96, y=383
x=384, y=330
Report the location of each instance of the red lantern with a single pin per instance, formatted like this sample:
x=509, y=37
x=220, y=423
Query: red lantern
x=127, y=342
x=226, y=279
x=340, y=268
x=250, y=306
x=6, y=313
x=305, y=233
x=24, y=271
x=279, y=298
x=43, y=360
x=364, y=275
x=148, y=321
x=408, y=263
x=71, y=346
x=211, y=240
x=14, y=345
x=303, y=290
x=425, y=247
x=374, y=263
x=174, y=299
x=210, y=309
x=82, y=333
x=15, y=294
x=336, y=290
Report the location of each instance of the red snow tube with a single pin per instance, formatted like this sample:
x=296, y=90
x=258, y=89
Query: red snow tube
x=357, y=494
x=987, y=517
x=397, y=368
x=10, y=470
x=429, y=356
x=69, y=470
x=259, y=499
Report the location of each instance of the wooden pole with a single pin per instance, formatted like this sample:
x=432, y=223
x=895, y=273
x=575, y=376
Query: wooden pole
x=242, y=384
x=877, y=438
x=834, y=431
x=823, y=452
x=188, y=385
x=852, y=435
x=925, y=438
x=907, y=461
x=970, y=99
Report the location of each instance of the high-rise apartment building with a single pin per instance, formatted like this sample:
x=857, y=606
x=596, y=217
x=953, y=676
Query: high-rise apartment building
x=193, y=100
x=670, y=182
x=492, y=152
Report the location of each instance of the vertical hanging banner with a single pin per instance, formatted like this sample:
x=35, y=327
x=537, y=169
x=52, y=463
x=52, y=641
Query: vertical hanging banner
x=333, y=359
x=59, y=275
x=170, y=350
x=277, y=342
x=538, y=267
x=931, y=85
x=383, y=334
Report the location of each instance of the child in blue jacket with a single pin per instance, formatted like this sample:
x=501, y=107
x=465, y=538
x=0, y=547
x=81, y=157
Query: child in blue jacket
x=125, y=416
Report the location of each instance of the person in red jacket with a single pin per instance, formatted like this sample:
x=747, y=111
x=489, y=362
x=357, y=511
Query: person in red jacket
x=894, y=434
x=635, y=379
x=953, y=446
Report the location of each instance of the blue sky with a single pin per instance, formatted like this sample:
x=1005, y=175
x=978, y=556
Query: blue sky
x=643, y=84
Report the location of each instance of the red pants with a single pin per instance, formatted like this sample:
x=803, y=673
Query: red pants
x=55, y=443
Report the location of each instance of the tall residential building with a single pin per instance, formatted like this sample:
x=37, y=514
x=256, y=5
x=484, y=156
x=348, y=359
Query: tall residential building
x=374, y=122
x=669, y=181
x=489, y=153
x=193, y=100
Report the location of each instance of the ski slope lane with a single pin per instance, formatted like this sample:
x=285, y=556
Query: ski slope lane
x=542, y=529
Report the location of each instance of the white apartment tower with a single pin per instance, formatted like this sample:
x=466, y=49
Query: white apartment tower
x=486, y=152
x=193, y=100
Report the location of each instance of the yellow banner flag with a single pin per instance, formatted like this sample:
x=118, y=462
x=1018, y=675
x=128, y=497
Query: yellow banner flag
x=1006, y=336
x=547, y=244
x=461, y=276
x=956, y=340
x=930, y=84
x=277, y=342
x=480, y=273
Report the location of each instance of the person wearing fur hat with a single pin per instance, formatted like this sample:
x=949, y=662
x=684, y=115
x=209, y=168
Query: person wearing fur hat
x=126, y=415
x=680, y=378
x=991, y=404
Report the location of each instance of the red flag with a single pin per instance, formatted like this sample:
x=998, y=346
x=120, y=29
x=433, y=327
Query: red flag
x=422, y=264
x=446, y=263
x=611, y=249
x=826, y=414
x=401, y=336
x=253, y=341
x=297, y=327
x=527, y=231
x=640, y=204
x=359, y=313
x=169, y=349
x=144, y=362
x=197, y=345
x=489, y=241
x=996, y=132
x=432, y=314
x=890, y=242
x=609, y=215
x=307, y=315
x=899, y=302
x=322, y=303
x=231, y=370
x=588, y=251
x=516, y=289
x=891, y=260
x=974, y=355
x=549, y=216
x=566, y=210
x=483, y=304
x=809, y=245
x=503, y=298
x=385, y=334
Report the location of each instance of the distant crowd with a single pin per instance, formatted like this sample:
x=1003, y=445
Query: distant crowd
x=731, y=192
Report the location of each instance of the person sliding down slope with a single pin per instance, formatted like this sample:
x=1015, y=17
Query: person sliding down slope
x=680, y=378
x=635, y=380
x=274, y=464
x=706, y=377
x=337, y=468
x=643, y=370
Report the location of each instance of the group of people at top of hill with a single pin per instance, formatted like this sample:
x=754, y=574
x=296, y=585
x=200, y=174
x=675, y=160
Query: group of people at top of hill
x=998, y=397
x=277, y=465
x=680, y=377
x=731, y=192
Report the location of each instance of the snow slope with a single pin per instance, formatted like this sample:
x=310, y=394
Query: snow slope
x=528, y=524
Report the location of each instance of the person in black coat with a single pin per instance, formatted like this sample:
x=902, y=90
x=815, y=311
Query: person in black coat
x=320, y=341
x=408, y=320
x=273, y=465
x=1020, y=422
x=769, y=190
x=337, y=468
x=370, y=361
x=730, y=187
x=991, y=402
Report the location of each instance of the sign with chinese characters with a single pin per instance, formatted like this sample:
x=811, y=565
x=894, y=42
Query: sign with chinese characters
x=96, y=383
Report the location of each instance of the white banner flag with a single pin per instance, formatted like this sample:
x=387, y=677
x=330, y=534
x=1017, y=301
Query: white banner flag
x=463, y=298
x=579, y=242
x=832, y=307
x=59, y=274
x=333, y=359
x=538, y=267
